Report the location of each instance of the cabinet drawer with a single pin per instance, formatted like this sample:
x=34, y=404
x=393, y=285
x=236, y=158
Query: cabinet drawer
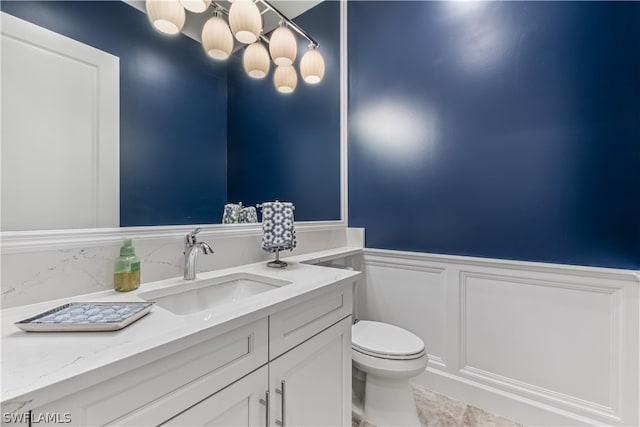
x=236, y=405
x=300, y=322
x=157, y=391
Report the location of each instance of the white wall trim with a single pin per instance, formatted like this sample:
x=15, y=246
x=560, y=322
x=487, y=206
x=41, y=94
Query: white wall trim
x=344, y=115
x=525, y=390
x=544, y=413
x=606, y=288
x=27, y=241
x=406, y=266
x=506, y=383
x=576, y=270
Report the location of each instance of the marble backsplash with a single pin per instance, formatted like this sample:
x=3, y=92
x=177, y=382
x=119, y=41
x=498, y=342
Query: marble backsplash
x=30, y=276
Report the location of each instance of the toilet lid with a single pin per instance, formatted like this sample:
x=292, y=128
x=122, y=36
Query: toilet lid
x=385, y=340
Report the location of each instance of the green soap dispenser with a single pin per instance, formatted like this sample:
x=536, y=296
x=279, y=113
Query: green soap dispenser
x=127, y=271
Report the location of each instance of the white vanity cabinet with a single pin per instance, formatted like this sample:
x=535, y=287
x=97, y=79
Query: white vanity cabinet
x=310, y=385
x=223, y=380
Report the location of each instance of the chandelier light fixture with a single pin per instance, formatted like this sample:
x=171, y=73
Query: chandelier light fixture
x=285, y=78
x=283, y=46
x=244, y=22
x=217, y=40
x=256, y=60
x=195, y=6
x=166, y=16
x=312, y=66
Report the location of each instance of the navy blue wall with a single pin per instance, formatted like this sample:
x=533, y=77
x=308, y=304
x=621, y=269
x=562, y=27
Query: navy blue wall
x=498, y=129
x=287, y=147
x=173, y=105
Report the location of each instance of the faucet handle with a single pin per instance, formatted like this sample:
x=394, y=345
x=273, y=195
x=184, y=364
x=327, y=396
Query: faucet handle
x=190, y=239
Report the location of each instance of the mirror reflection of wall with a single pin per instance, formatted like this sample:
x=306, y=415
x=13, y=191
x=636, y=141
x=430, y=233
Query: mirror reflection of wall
x=196, y=133
x=287, y=147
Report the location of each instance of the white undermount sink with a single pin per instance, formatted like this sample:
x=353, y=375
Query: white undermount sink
x=202, y=294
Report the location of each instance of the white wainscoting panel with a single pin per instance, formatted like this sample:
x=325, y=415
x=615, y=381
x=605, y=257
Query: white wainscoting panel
x=545, y=336
x=542, y=344
x=60, y=131
x=388, y=285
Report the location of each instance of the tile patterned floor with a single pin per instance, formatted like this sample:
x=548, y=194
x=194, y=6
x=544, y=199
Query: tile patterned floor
x=437, y=410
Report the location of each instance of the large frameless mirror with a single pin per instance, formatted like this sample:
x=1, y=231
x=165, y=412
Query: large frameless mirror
x=189, y=133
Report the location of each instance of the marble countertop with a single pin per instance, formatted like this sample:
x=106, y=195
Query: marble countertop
x=38, y=368
x=326, y=255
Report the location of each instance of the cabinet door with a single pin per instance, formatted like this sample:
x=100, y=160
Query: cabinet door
x=237, y=405
x=310, y=385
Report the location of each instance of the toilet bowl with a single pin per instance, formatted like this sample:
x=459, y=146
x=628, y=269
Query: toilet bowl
x=389, y=356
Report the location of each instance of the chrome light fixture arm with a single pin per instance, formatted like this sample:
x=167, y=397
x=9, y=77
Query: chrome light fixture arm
x=269, y=6
x=291, y=24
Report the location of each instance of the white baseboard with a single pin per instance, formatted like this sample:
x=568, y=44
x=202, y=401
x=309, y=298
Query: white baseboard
x=542, y=344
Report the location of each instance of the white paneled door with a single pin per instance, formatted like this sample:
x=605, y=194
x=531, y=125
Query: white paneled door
x=60, y=131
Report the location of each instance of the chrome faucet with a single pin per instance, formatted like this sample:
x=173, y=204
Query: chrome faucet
x=191, y=249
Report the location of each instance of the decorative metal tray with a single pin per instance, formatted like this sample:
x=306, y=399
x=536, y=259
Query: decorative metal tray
x=87, y=316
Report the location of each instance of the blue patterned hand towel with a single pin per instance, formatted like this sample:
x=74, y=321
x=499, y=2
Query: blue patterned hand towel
x=248, y=214
x=277, y=226
x=236, y=213
x=231, y=213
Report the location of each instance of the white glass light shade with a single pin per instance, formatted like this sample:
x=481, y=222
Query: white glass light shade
x=195, y=6
x=312, y=66
x=166, y=16
x=245, y=21
x=217, y=40
x=256, y=60
x=283, y=46
x=285, y=79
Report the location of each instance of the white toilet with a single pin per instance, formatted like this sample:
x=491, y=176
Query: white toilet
x=389, y=356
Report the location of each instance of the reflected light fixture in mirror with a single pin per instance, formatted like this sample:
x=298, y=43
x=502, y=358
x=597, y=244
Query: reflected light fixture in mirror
x=245, y=21
x=285, y=79
x=256, y=60
x=283, y=46
x=312, y=66
x=166, y=16
x=217, y=40
x=195, y=6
